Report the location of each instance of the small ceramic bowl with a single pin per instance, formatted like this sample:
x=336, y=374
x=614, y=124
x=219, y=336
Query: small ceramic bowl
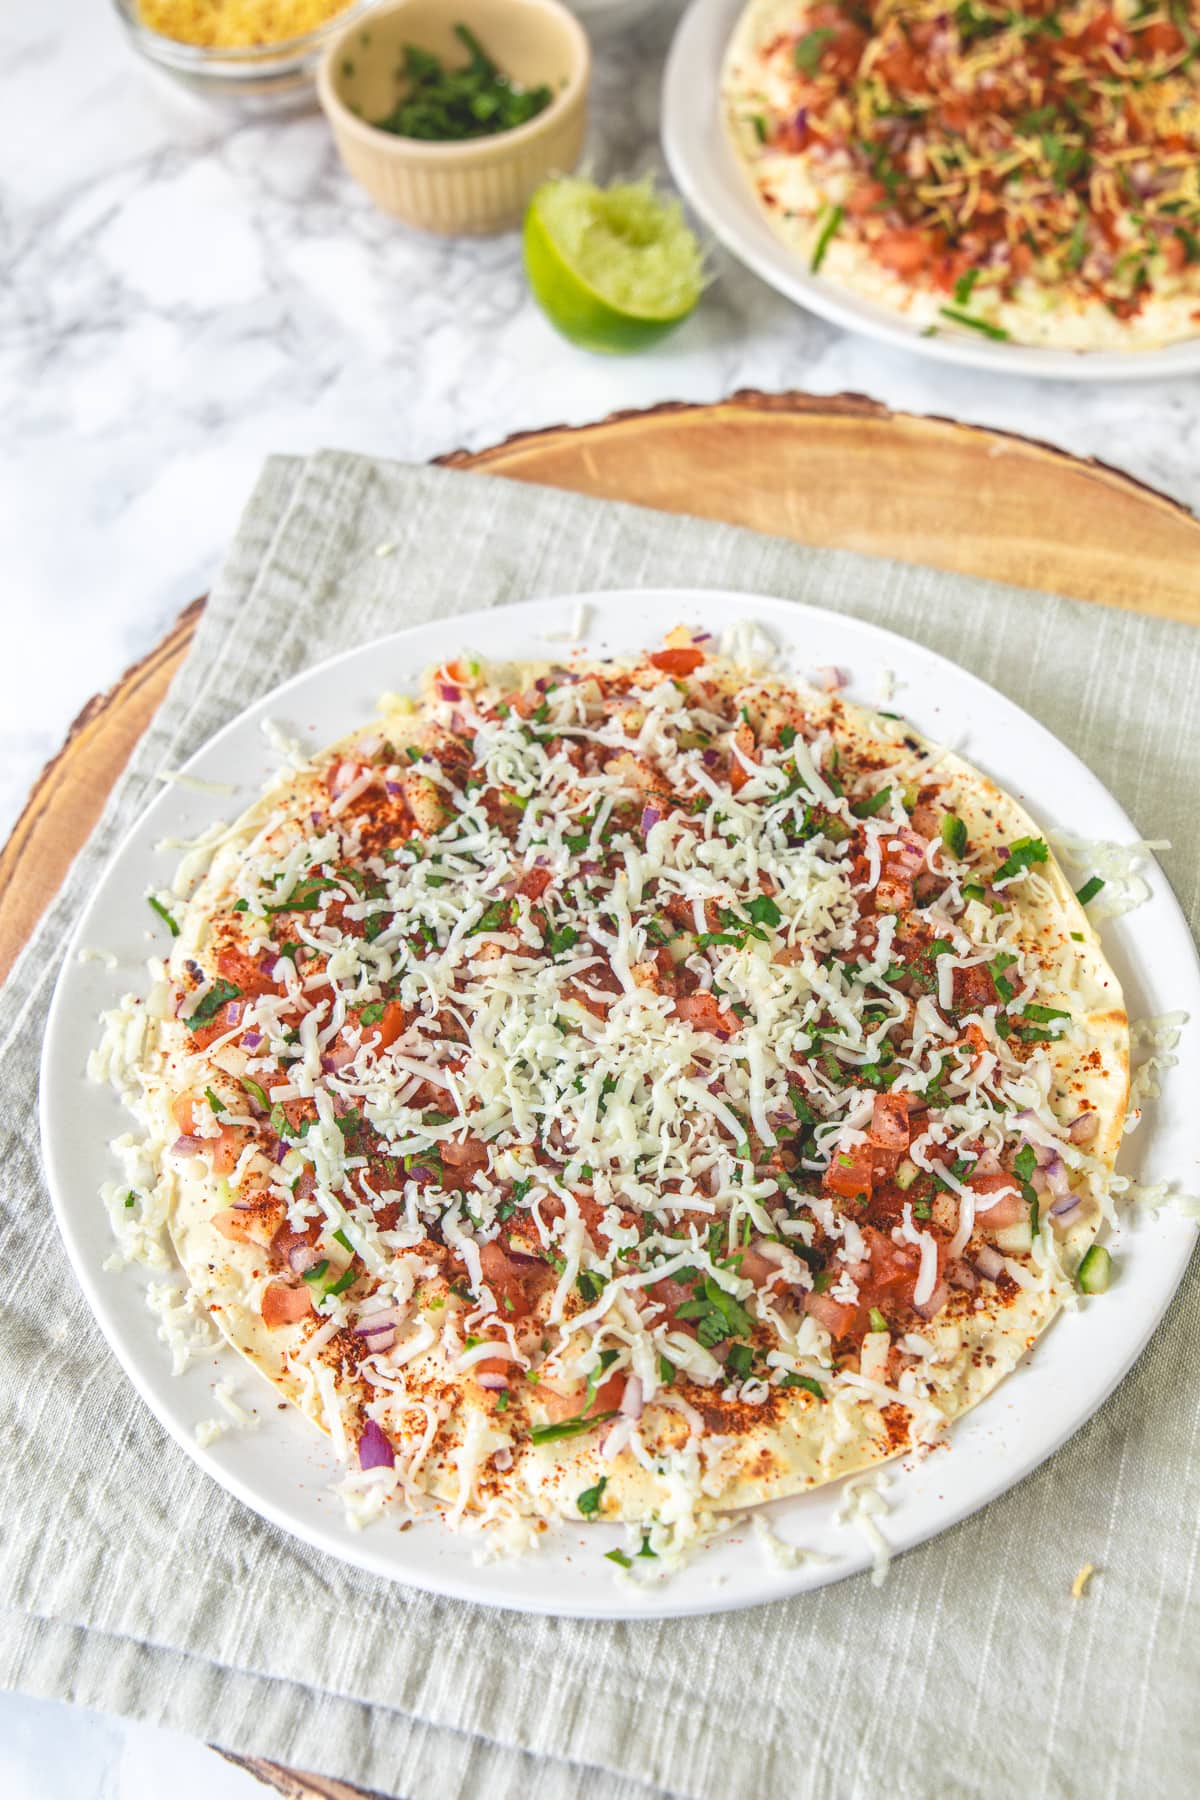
x=482, y=184
x=256, y=78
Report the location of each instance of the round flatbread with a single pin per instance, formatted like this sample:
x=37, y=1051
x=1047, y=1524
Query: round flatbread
x=1022, y=173
x=632, y=1090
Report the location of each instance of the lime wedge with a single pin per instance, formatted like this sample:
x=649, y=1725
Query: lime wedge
x=612, y=268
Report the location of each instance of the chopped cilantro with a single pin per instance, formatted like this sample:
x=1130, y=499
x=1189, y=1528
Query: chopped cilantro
x=1022, y=855
x=589, y=1501
x=810, y=48
x=219, y=995
x=158, y=907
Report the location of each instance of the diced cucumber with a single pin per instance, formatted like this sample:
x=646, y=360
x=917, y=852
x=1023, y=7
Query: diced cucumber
x=1095, y=1271
x=1015, y=1240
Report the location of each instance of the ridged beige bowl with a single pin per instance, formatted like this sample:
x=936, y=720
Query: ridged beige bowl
x=481, y=185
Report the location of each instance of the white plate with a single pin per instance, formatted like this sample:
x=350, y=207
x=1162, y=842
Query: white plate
x=281, y=1470
x=707, y=173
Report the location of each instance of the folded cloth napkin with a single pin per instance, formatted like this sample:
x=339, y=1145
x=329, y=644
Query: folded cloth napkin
x=128, y=1581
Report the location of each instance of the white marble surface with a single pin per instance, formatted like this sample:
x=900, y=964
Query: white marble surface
x=52, y=1752
x=182, y=294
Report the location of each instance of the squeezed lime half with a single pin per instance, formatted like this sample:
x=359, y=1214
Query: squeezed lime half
x=613, y=269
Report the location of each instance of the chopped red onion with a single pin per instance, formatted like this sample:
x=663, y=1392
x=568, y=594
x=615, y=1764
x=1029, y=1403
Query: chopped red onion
x=448, y=692
x=187, y=1145
x=490, y=1380
x=251, y=1040
x=303, y=1256
x=931, y=1307
x=631, y=1399
x=1083, y=1129
x=342, y=777
x=830, y=678
x=394, y=788
x=371, y=1324
x=374, y=1450
x=1062, y=1208
x=333, y=1060
x=502, y=1458
x=650, y=817
x=989, y=1262
x=710, y=758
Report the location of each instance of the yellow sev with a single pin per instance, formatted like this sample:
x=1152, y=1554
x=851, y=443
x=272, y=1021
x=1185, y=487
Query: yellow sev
x=236, y=24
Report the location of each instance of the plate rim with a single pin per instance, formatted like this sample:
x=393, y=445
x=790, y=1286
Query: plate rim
x=745, y=236
x=758, y=1587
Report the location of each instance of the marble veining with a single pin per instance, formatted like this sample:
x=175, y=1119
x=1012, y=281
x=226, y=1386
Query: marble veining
x=184, y=292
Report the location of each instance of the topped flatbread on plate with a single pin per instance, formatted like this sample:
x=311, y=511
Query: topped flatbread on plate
x=631, y=1090
x=1020, y=171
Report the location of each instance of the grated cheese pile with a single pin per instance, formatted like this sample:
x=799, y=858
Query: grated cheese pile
x=646, y=1053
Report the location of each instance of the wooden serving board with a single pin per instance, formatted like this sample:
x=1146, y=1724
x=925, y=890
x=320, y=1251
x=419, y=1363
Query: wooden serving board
x=842, y=471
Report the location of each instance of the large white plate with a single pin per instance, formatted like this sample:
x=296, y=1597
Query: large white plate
x=707, y=172
x=281, y=1470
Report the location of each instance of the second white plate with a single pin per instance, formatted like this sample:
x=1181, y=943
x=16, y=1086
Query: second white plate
x=707, y=173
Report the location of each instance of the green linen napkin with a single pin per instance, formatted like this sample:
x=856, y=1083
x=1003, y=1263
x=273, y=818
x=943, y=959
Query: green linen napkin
x=129, y=1581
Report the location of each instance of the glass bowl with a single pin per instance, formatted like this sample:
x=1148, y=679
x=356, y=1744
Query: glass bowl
x=261, y=77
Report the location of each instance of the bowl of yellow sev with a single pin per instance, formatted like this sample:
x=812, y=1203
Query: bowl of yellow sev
x=263, y=53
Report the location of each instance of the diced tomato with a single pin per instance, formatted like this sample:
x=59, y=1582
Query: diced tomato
x=607, y=1397
x=902, y=68
x=284, y=1305
x=462, y=1162
x=1008, y=1209
x=894, y=1271
x=516, y=1285
x=677, y=662
x=182, y=1111
x=865, y=197
x=851, y=1173
x=756, y=1267
x=245, y=972
x=905, y=249
x=225, y=1019
x=974, y=988
x=388, y=1028
x=704, y=1013
x=889, y=1122
x=893, y=894
x=227, y=1148
x=837, y=1318
x=246, y=1227
x=671, y=1295
x=534, y=883
x=222, y=1150
x=743, y=739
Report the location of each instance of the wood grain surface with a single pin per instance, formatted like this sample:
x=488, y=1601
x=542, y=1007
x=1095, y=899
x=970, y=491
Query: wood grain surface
x=841, y=471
